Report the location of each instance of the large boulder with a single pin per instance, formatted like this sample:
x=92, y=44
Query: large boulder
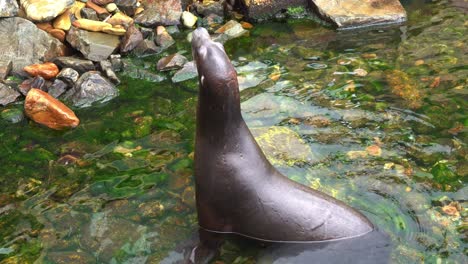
x=160, y=12
x=95, y=46
x=45, y=10
x=91, y=87
x=25, y=44
x=8, y=8
x=355, y=13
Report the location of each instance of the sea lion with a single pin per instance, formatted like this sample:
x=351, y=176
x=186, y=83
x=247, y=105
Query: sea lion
x=237, y=190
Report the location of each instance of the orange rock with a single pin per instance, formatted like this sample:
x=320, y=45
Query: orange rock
x=98, y=9
x=58, y=34
x=46, y=70
x=246, y=25
x=47, y=26
x=374, y=150
x=48, y=111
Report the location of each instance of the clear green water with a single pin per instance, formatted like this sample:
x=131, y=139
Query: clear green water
x=389, y=139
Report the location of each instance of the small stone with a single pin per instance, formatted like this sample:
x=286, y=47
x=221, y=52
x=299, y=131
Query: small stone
x=91, y=25
x=232, y=29
x=171, y=62
x=146, y=47
x=46, y=70
x=360, y=72
x=111, y=8
x=58, y=88
x=451, y=209
x=46, y=110
x=91, y=87
x=127, y=6
x=94, y=46
x=189, y=19
x=419, y=63
x=88, y=13
x=163, y=39
x=7, y=95
x=374, y=150
x=117, y=31
x=69, y=76
x=5, y=69
x=77, y=64
x=121, y=19
x=58, y=34
x=42, y=11
x=131, y=40
x=116, y=61
x=99, y=10
x=63, y=21
x=189, y=71
x=102, y=2
x=36, y=82
x=8, y=8
x=355, y=154
x=106, y=68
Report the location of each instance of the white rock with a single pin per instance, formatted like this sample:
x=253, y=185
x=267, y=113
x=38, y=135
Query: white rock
x=189, y=19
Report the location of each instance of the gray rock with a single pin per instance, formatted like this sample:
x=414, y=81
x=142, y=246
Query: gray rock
x=145, y=48
x=91, y=87
x=189, y=71
x=89, y=13
x=58, y=88
x=37, y=82
x=133, y=37
x=212, y=21
x=26, y=44
x=8, y=8
x=77, y=64
x=232, y=29
x=106, y=68
x=69, y=76
x=45, y=10
x=162, y=12
x=5, y=69
x=116, y=61
x=95, y=46
x=171, y=62
x=7, y=95
x=210, y=7
x=356, y=13
x=127, y=6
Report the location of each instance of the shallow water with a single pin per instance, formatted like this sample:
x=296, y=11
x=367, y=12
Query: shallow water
x=376, y=118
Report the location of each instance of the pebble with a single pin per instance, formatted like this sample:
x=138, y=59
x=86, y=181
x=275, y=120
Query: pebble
x=111, y=8
x=189, y=19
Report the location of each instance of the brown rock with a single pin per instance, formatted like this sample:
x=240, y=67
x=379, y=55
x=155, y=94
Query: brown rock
x=58, y=34
x=46, y=26
x=63, y=21
x=46, y=70
x=48, y=111
x=98, y=9
x=102, y=2
x=131, y=40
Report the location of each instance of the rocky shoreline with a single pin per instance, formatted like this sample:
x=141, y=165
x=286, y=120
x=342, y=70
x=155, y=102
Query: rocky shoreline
x=67, y=50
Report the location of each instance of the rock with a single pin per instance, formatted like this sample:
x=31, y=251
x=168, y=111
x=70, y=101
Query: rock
x=171, y=62
x=36, y=82
x=69, y=76
x=7, y=95
x=76, y=9
x=163, y=39
x=79, y=65
x=106, y=68
x=91, y=87
x=162, y=12
x=46, y=70
x=12, y=115
x=189, y=71
x=58, y=34
x=46, y=110
x=127, y=6
x=116, y=61
x=45, y=10
x=206, y=8
x=8, y=8
x=63, y=21
x=58, y=88
x=102, y=12
x=232, y=29
x=91, y=25
x=261, y=9
x=131, y=40
x=26, y=44
x=117, y=30
x=5, y=69
x=94, y=46
x=111, y=8
x=88, y=13
x=355, y=13
x=148, y=33
x=120, y=18
x=212, y=21
x=146, y=47
x=189, y=19
x=102, y=2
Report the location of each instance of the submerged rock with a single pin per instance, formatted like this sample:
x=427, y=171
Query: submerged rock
x=162, y=12
x=91, y=87
x=45, y=10
x=94, y=46
x=189, y=71
x=8, y=8
x=48, y=111
x=26, y=44
x=7, y=95
x=355, y=13
x=171, y=62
